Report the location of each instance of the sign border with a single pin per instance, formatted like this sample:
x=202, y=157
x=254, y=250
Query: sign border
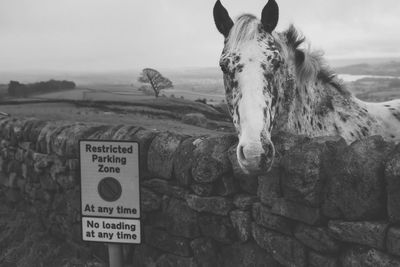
x=121, y=243
x=80, y=188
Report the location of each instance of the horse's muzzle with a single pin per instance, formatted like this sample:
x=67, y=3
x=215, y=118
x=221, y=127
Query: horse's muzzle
x=254, y=157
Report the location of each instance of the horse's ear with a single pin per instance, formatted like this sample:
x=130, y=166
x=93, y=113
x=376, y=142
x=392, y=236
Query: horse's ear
x=270, y=16
x=222, y=20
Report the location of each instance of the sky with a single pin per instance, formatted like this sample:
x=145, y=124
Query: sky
x=103, y=35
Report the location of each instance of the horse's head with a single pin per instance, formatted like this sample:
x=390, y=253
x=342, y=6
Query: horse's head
x=254, y=68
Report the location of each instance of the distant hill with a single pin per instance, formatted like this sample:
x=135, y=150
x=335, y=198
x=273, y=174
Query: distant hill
x=391, y=68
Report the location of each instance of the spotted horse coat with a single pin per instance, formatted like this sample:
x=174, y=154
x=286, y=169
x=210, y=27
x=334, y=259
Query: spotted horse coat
x=272, y=84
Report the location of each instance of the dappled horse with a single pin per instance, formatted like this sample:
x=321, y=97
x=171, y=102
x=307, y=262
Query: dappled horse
x=273, y=84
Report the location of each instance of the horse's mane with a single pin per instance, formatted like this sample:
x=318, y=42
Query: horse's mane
x=309, y=66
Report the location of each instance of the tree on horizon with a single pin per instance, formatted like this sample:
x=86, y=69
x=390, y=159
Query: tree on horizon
x=155, y=79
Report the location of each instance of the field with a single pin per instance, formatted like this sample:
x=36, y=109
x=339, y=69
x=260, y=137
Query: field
x=113, y=98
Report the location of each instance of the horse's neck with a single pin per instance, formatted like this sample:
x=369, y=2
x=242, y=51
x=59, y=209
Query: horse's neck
x=318, y=109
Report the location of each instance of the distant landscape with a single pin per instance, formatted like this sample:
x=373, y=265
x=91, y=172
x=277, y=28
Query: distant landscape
x=114, y=97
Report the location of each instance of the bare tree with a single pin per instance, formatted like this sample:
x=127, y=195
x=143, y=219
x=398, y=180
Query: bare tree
x=156, y=80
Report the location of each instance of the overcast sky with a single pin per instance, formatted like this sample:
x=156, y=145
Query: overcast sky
x=97, y=35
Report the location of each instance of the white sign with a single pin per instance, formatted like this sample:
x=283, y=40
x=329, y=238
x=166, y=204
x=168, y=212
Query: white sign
x=110, y=189
x=111, y=230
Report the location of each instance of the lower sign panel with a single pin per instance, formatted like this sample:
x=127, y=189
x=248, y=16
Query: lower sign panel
x=111, y=230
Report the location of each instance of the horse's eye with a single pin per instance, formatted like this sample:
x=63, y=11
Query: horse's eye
x=224, y=65
x=224, y=68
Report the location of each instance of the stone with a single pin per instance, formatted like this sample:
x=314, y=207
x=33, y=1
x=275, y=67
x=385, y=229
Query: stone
x=296, y=211
x=355, y=183
x=317, y=238
x=183, y=162
x=241, y=222
x=73, y=165
x=392, y=175
x=367, y=257
x=248, y=183
x=302, y=177
x=145, y=255
x=205, y=252
x=164, y=241
x=144, y=138
x=393, y=240
x=163, y=187
x=210, y=158
x=244, y=201
x=246, y=254
x=64, y=140
x=48, y=183
x=285, y=249
x=318, y=260
x=149, y=201
x=203, y=190
x=161, y=154
x=215, y=205
x=284, y=141
x=217, y=227
x=31, y=130
x=371, y=234
x=263, y=216
x=269, y=186
x=226, y=186
x=126, y=132
x=181, y=220
x=169, y=260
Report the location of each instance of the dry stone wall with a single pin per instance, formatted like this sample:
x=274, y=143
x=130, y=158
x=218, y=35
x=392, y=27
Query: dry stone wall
x=324, y=203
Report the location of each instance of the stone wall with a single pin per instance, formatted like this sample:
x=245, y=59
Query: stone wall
x=324, y=203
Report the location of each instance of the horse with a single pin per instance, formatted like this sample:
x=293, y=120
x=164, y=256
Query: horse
x=272, y=84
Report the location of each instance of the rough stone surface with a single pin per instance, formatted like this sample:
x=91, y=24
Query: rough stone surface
x=246, y=254
x=241, y=221
x=202, y=190
x=205, y=252
x=215, y=205
x=183, y=162
x=392, y=175
x=355, y=183
x=210, y=159
x=162, y=240
x=145, y=255
x=161, y=154
x=393, y=240
x=269, y=186
x=169, y=260
x=217, y=227
x=226, y=186
x=181, y=220
x=262, y=215
x=367, y=257
x=318, y=260
x=364, y=233
x=296, y=211
x=238, y=220
x=163, y=187
x=247, y=183
x=244, y=201
x=149, y=201
x=286, y=250
x=144, y=139
x=302, y=177
x=317, y=238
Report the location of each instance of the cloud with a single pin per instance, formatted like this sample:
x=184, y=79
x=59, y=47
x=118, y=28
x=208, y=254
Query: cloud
x=125, y=34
